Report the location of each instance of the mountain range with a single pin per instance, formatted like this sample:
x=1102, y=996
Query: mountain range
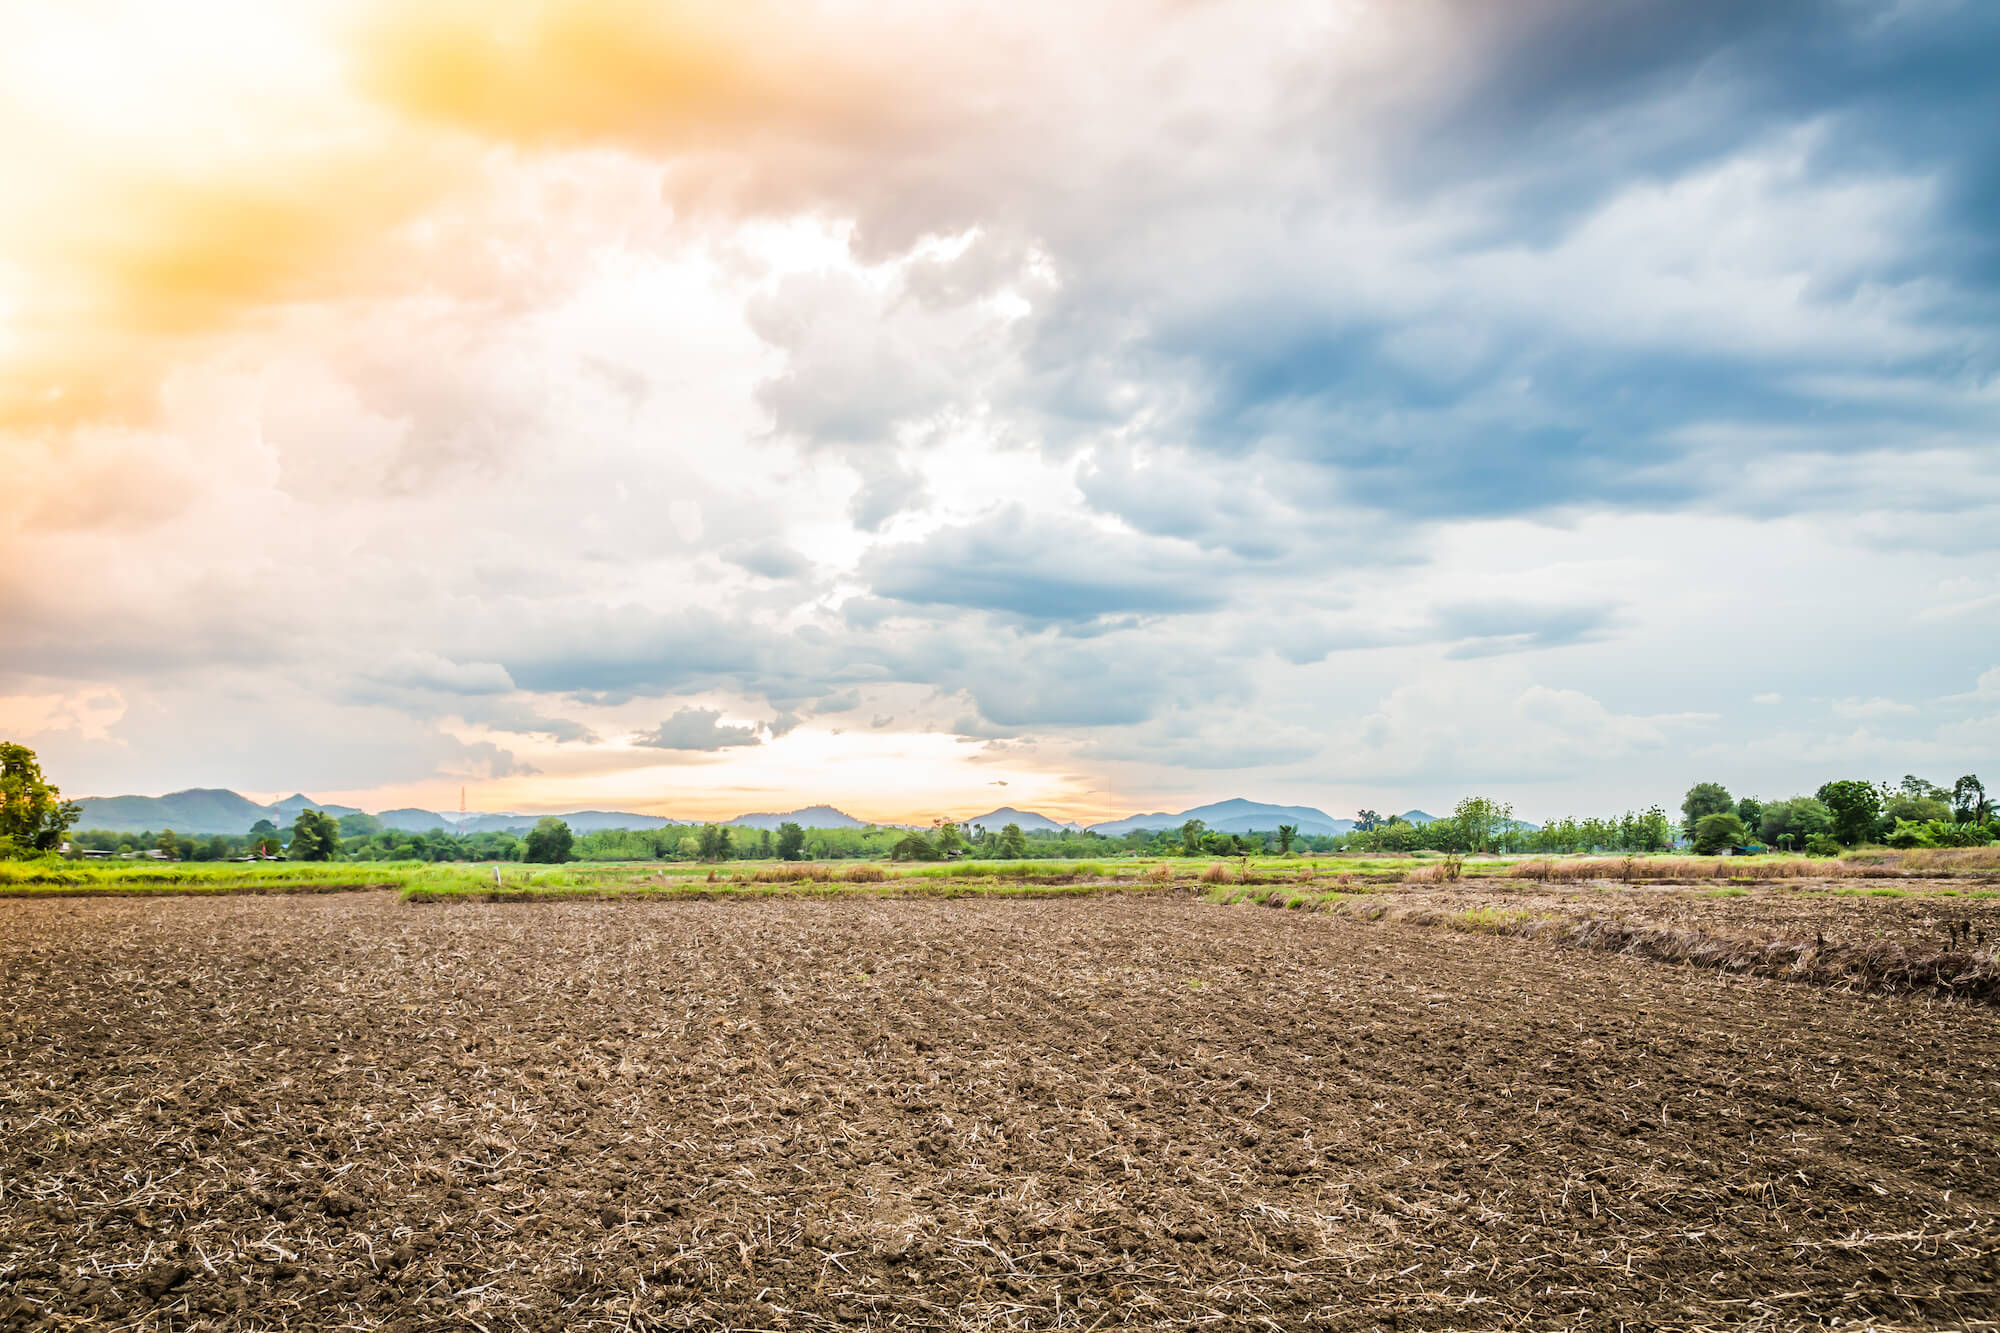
x=205, y=811
x=209, y=810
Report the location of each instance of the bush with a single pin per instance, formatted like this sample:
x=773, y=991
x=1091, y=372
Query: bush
x=1822, y=844
x=1949, y=833
x=1908, y=834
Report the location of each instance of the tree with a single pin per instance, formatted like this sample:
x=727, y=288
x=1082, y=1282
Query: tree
x=1191, y=837
x=169, y=844
x=949, y=839
x=1704, y=798
x=1716, y=832
x=1367, y=821
x=362, y=826
x=549, y=842
x=913, y=847
x=1792, y=823
x=1396, y=835
x=1751, y=811
x=1915, y=807
x=315, y=837
x=1286, y=833
x=1014, y=843
x=1482, y=823
x=791, y=841
x=1968, y=801
x=33, y=814
x=1651, y=832
x=1855, y=805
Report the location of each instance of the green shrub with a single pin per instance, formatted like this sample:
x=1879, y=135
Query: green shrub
x=1822, y=844
x=1947, y=833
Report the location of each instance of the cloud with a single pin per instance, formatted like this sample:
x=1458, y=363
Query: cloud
x=484, y=759
x=1494, y=727
x=671, y=76
x=769, y=559
x=424, y=670
x=697, y=729
x=1866, y=708
x=1486, y=629
x=127, y=268
x=499, y=715
x=614, y=654
x=1041, y=570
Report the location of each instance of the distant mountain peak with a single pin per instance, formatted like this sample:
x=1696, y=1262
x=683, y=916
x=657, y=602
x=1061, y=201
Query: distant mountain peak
x=811, y=816
x=1031, y=821
x=1235, y=815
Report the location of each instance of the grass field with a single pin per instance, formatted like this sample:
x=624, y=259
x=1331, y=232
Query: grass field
x=1306, y=876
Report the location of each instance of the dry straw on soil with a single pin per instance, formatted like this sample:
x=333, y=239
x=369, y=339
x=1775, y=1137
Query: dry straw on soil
x=1686, y=869
x=1886, y=965
x=818, y=874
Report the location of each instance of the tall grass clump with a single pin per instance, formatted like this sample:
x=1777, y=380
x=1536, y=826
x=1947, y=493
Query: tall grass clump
x=1950, y=860
x=1448, y=871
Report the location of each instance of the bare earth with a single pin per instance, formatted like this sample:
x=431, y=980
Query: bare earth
x=1110, y=1113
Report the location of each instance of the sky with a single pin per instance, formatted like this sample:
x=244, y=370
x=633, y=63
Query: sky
x=704, y=408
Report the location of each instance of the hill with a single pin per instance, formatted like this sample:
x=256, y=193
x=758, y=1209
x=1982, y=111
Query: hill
x=1159, y=819
x=286, y=812
x=1234, y=816
x=414, y=821
x=813, y=816
x=1030, y=821
x=202, y=810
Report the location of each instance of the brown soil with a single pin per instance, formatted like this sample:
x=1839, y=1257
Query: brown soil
x=1107, y=1113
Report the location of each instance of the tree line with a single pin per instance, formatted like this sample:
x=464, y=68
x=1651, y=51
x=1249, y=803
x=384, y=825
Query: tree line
x=1912, y=813
x=1847, y=812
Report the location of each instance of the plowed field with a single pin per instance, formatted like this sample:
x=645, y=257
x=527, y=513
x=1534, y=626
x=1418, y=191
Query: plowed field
x=1098, y=1113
